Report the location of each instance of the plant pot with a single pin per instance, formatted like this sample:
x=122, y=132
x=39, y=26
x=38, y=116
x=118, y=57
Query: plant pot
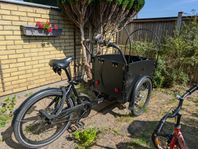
x=35, y=31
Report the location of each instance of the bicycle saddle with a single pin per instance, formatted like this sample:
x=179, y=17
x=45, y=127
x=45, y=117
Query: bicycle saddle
x=61, y=63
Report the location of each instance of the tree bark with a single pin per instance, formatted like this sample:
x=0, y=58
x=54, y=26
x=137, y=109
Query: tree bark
x=86, y=64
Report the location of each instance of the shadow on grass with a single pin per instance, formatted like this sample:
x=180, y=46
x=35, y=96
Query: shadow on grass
x=141, y=131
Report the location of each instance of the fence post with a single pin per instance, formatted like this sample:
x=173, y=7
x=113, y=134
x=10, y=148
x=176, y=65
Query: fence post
x=179, y=22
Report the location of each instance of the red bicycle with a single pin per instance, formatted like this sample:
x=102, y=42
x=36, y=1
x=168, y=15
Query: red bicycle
x=163, y=140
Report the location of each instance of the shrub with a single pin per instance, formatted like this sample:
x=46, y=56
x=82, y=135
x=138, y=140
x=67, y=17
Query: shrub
x=159, y=76
x=179, y=51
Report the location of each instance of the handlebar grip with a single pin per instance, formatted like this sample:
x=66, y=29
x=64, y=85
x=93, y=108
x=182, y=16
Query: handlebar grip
x=193, y=89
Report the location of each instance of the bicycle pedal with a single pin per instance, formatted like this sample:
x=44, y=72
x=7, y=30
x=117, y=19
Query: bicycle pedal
x=121, y=107
x=100, y=100
x=80, y=125
x=72, y=129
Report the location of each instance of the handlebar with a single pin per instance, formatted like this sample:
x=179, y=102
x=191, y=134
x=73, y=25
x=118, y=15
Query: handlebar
x=190, y=91
x=175, y=112
x=100, y=40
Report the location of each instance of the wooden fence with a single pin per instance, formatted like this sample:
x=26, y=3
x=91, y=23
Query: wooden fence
x=161, y=27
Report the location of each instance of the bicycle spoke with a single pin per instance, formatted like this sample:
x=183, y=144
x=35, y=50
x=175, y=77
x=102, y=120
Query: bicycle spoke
x=36, y=127
x=30, y=119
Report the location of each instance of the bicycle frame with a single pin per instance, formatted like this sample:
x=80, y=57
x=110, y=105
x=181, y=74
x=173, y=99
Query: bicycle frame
x=175, y=140
x=59, y=111
x=178, y=140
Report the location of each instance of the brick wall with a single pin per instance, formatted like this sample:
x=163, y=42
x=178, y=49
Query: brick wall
x=24, y=60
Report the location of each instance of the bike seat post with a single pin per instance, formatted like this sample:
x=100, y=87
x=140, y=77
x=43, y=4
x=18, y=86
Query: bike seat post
x=68, y=75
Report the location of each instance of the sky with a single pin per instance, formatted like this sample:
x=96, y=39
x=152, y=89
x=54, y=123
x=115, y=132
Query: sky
x=167, y=8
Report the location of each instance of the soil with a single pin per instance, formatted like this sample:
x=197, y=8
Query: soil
x=119, y=130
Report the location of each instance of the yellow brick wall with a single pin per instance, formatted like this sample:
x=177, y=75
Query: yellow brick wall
x=24, y=60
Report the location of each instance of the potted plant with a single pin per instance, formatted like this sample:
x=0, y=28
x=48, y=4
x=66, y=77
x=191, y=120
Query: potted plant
x=42, y=29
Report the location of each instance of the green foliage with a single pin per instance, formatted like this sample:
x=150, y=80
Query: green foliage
x=85, y=138
x=8, y=105
x=4, y=119
x=167, y=77
x=6, y=110
x=74, y=1
x=179, y=51
x=139, y=5
x=124, y=3
x=159, y=76
x=182, y=48
x=144, y=48
x=130, y=3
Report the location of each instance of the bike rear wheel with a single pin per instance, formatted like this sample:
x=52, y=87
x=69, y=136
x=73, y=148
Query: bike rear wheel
x=34, y=130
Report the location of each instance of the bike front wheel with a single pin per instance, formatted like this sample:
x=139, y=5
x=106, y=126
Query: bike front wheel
x=31, y=128
x=160, y=142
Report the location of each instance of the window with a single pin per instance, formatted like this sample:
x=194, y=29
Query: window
x=43, y=2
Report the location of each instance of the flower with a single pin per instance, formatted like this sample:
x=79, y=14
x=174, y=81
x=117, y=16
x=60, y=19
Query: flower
x=49, y=29
x=39, y=25
x=46, y=26
x=56, y=27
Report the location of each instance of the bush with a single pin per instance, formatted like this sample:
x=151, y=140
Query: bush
x=178, y=52
x=143, y=48
x=159, y=76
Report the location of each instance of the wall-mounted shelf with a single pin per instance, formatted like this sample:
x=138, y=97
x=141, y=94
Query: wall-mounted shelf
x=35, y=31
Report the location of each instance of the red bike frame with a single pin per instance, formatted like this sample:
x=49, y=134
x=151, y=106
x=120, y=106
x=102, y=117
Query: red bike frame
x=177, y=141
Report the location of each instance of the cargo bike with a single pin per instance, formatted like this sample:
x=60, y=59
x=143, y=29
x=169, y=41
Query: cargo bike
x=47, y=114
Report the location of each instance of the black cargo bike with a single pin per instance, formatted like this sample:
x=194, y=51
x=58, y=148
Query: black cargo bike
x=45, y=115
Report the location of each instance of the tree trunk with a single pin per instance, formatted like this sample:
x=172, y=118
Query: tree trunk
x=86, y=65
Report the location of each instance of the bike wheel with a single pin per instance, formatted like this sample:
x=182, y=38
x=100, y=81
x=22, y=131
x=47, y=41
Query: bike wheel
x=34, y=130
x=160, y=142
x=141, y=95
x=87, y=109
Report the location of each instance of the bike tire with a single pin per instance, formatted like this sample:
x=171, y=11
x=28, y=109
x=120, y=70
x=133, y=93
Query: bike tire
x=160, y=142
x=23, y=110
x=136, y=91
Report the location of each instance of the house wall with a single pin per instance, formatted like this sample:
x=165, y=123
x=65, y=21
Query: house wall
x=24, y=60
